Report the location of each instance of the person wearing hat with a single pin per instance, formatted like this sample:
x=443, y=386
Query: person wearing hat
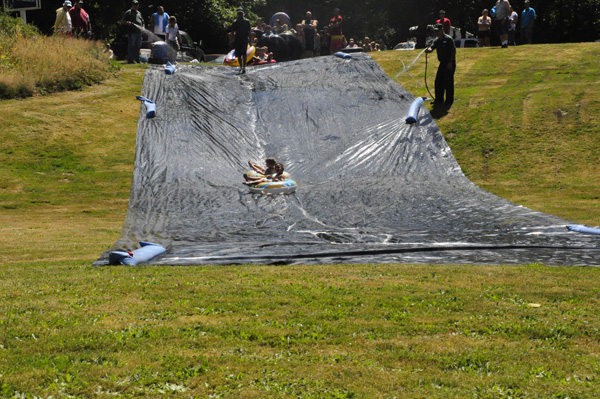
x=241, y=30
x=527, y=19
x=135, y=23
x=81, y=20
x=62, y=23
x=444, y=79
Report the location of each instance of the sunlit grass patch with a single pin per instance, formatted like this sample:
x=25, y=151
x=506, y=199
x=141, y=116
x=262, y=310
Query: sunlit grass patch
x=248, y=331
x=31, y=63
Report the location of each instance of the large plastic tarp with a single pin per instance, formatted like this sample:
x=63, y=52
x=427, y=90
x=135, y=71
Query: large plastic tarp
x=371, y=188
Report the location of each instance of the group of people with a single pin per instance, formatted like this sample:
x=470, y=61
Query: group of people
x=326, y=41
x=272, y=171
x=73, y=20
x=367, y=45
x=162, y=25
x=505, y=21
x=315, y=42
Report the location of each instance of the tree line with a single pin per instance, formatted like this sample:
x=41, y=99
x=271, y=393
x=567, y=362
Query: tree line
x=207, y=20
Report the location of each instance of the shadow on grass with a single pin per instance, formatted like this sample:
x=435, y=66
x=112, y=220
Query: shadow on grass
x=439, y=111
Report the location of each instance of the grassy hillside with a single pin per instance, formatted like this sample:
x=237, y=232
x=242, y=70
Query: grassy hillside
x=525, y=127
x=31, y=63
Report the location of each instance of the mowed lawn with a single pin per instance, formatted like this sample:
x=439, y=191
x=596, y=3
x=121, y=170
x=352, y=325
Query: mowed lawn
x=525, y=127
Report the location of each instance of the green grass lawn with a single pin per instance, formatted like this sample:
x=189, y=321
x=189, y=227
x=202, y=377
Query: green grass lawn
x=526, y=128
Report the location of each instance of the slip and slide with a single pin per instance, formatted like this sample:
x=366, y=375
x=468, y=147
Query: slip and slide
x=372, y=187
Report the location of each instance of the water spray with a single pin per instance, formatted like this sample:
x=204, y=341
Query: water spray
x=406, y=68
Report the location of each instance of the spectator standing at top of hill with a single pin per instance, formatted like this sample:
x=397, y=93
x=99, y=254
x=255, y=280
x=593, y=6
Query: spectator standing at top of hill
x=335, y=32
x=159, y=21
x=309, y=29
x=81, y=20
x=325, y=41
x=445, y=22
x=485, y=24
x=366, y=44
x=444, y=79
x=134, y=22
x=527, y=20
x=173, y=38
x=503, y=12
x=62, y=23
x=278, y=27
x=241, y=37
x=512, y=29
x=260, y=25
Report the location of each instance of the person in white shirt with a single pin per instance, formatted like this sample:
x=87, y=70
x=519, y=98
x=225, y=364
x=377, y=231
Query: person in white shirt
x=513, y=19
x=159, y=21
x=173, y=38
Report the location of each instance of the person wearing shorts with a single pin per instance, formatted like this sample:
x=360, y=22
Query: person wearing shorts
x=485, y=24
x=503, y=12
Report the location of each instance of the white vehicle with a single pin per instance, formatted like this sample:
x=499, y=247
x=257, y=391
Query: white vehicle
x=405, y=46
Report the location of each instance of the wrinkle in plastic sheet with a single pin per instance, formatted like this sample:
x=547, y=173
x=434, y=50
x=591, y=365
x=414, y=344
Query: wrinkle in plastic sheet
x=370, y=187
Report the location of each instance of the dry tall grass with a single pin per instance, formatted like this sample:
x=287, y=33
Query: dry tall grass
x=38, y=64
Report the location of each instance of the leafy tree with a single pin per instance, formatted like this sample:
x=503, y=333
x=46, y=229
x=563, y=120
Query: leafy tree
x=207, y=20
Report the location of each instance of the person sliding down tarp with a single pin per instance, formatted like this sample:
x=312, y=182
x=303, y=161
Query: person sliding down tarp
x=279, y=182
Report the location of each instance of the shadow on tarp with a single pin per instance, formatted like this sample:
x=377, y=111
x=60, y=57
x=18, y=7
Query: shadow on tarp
x=370, y=187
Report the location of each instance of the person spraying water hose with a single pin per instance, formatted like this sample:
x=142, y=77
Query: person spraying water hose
x=406, y=68
x=444, y=78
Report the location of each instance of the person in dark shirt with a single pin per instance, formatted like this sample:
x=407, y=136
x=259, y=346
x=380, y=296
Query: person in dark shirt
x=444, y=79
x=135, y=23
x=309, y=27
x=241, y=27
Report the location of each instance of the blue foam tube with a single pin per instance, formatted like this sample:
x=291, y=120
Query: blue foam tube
x=583, y=229
x=150, y=106
x=413, y=111
x=343, y=55
x=145, y=253
x=170, y=68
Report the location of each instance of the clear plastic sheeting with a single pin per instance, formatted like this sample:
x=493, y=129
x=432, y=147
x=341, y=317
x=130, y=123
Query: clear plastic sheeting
x=371, y=188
